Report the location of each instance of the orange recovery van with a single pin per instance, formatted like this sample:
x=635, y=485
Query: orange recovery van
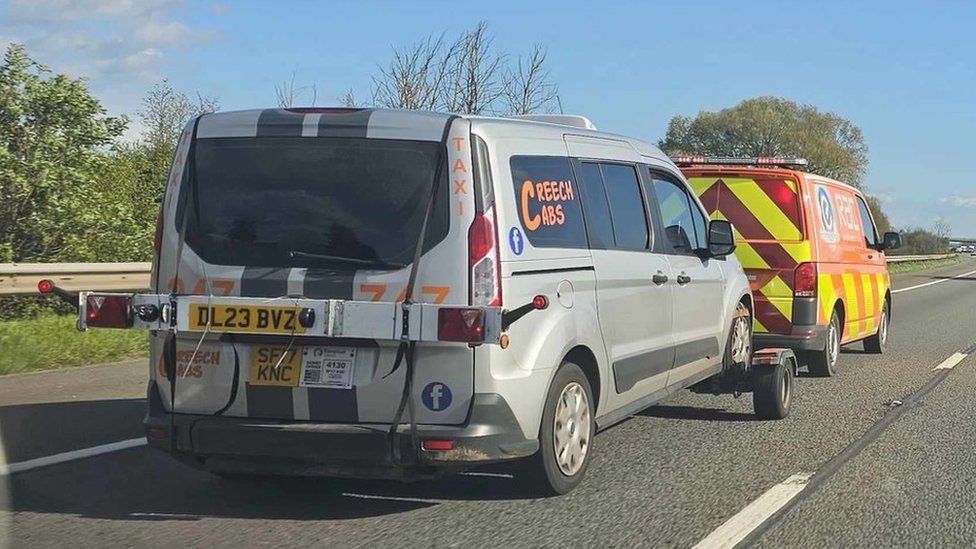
x=811, y=252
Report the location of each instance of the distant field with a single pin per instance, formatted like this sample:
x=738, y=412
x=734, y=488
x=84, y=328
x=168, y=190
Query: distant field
x=922, y=265
x=52, y=341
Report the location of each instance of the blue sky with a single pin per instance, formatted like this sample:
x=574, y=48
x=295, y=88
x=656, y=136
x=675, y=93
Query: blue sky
x=905, y=72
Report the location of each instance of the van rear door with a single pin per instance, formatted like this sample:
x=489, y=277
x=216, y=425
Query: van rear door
x=323, y=203
x=764, y=208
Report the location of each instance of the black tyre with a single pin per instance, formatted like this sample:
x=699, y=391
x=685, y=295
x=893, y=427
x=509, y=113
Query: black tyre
x=566, y=434
x=879, y=342
x=738, y=350
x=824, y=363
x=772, y=392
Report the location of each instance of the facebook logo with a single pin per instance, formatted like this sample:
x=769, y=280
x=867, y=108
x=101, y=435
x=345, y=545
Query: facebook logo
x=436, y=396
x=515, y=241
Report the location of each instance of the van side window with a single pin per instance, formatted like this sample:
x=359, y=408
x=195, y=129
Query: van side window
x=626, y=207
x=867, y=225
x=596, y=210
x=683, y=222
x=548, y=202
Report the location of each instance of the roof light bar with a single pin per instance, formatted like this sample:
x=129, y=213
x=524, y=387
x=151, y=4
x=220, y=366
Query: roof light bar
x=689, y=160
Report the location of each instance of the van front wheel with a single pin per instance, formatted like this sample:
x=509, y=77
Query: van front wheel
x=566, y=433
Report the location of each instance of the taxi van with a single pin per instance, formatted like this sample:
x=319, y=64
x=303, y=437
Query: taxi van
x=401, y=294
x=811, y=251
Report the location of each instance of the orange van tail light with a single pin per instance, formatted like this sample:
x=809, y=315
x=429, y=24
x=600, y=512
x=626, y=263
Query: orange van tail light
x=108, y=311
x=805, y=280
x=461, y=324
x=485, y=274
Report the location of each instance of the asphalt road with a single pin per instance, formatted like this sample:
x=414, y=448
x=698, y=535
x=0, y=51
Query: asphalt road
x=885, y=475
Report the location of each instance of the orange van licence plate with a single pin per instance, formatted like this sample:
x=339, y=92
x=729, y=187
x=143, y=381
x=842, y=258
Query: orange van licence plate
x=245, y=318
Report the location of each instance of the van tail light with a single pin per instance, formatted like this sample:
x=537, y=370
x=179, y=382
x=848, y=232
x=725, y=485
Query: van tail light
x=486, y=274
x=461, y=324
x=108, y=311
x=805, y=280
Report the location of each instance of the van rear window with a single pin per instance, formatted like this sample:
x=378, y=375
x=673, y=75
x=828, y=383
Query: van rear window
x=760, y=207
x=313, y=202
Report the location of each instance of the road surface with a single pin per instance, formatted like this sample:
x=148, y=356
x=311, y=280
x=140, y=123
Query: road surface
x=857, y=468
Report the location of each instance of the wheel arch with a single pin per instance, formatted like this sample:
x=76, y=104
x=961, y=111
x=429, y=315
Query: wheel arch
x=583, y=357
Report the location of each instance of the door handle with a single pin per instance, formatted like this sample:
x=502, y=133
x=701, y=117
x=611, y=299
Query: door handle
x=683, y=279
x=660, y=278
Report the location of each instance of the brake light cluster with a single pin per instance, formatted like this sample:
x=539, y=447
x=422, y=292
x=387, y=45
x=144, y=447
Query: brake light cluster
x=462, y=324
x=805, y=280
x=108, y=311
x=486, y=276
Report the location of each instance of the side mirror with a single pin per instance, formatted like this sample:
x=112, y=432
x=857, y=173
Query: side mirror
x=721, y=239
x=891, y=241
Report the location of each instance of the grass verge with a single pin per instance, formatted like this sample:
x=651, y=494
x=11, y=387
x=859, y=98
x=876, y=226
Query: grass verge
x=51, y=341
x=911, y=266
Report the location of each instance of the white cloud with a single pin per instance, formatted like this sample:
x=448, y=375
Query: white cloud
x=959, y=201
x=68, y=10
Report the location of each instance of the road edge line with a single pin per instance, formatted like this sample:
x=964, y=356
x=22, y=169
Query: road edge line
x=741, y=524
x=898, y=291
x=22, y=466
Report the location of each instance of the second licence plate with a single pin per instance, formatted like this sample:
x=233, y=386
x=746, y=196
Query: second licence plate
x=304, y=366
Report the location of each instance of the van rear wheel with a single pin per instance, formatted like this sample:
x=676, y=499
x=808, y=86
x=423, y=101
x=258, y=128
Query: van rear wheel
x=877, y=343
x=566, y=433
x=824, y=363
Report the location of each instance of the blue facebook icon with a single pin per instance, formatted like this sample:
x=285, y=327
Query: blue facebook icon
x=515, y=241
x=436, y=396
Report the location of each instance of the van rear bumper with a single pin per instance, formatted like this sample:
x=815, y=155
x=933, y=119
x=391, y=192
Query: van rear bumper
x=801, y=338
x=244, y=445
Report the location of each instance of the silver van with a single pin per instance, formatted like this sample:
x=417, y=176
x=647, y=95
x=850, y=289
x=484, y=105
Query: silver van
x=401, y=294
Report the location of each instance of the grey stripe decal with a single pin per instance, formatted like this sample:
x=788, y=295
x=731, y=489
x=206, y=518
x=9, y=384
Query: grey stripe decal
x=349, y=124
x=280, y=123
x=269, y=402
x=264, y=282
x=332, y=405
x=413, y=125
x=328, y=283
x=691, y=351
x=627, y=372
x=228, y=124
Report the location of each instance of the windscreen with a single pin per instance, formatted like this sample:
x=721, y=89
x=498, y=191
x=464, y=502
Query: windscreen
x=310, y=202
x=761, y=207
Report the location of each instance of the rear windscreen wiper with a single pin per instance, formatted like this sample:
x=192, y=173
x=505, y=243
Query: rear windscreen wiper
x=367, y=263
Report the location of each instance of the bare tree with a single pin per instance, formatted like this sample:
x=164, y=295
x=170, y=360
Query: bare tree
x=942, y=228
x=165, y=110
x=348, y=99
x=476, y=78
x=528, y=87
x=287, y=94
x=415, y=77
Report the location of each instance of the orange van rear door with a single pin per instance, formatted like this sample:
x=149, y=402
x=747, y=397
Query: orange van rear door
x=765, y=211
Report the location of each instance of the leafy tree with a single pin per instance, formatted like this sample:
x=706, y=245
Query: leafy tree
x=53, y=133
x=771, y=126
x=880, y=217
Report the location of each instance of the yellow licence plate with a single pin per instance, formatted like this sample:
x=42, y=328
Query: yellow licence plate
x=276, y=366
x=245, y=318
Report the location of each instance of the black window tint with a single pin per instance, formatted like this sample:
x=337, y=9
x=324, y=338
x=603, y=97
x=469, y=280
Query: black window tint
x=867, y=226
x=549, y=208
x=299, y=202
x=626, y=206
x=676, y=217
x=595, y=207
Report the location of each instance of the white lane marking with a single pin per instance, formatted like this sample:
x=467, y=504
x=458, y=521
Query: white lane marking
x=21, y=466
x=393, y=498
x=753, y=515
x=951, y=362
x=898, y=291
x=165, y=515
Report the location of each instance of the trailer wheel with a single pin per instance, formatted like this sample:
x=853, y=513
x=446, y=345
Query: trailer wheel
x=772, y=392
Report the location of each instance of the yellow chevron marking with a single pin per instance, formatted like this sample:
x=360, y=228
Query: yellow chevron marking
x=791, y=184
x=867, y=283
x=799, y=251
x=853, y=311
x=763, y=208
x=701, y=184
x=828, y=295
x=748, y=256
x=757, y=326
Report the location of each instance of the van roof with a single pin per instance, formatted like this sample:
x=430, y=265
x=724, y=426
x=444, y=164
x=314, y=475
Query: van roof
x=385, y=124
x=738, y=170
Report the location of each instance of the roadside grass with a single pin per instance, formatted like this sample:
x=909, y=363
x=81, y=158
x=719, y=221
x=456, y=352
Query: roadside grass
x=911, y=266
x=51, y=341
